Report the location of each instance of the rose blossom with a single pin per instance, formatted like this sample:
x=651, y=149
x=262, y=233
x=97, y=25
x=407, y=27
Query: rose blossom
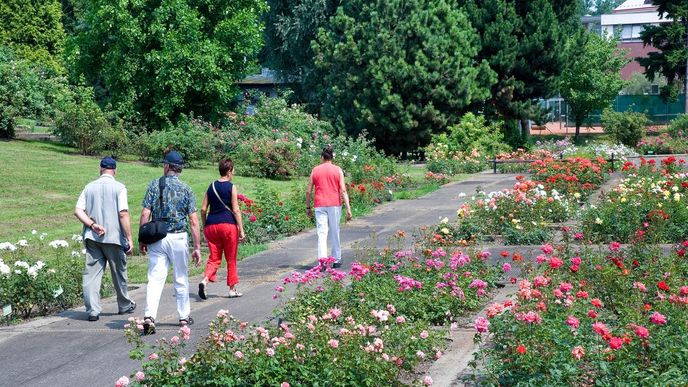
x=573, y=322
x=140, y=376
x=642, y=332
x=122, y=382
x=481, y=324
x=578, y=352
x=615, y=343
x=658, y=318
x=333, y=343
x=427, y=381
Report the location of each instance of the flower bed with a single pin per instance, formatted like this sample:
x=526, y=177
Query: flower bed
x=593, y=318
x=521, y=215
x=648, y=204
x=364, y=327
x=520, y=160
x=571, y=176
x=34, y=286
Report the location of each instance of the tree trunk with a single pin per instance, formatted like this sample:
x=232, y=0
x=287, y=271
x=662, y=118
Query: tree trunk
x=576, y=137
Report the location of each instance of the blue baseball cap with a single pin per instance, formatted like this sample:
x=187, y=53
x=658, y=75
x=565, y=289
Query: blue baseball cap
x=174, y=158
x=108, y=163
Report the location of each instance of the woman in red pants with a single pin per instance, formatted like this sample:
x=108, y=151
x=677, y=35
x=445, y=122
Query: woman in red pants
x=222, y=228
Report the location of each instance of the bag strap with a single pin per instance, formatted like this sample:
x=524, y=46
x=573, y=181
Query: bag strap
x=161, y=188
x=218, y=198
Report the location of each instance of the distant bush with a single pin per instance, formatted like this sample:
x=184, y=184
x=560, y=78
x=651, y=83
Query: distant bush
x=195, y=139
x=81, y=122
x=265, y=157
x=626, y=128
x=679, y=126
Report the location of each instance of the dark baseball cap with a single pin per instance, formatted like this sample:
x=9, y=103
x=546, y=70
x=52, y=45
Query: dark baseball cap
x=108, y=163
x=173, y=157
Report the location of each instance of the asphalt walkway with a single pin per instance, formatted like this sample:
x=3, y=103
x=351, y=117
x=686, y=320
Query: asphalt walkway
x=67, y=350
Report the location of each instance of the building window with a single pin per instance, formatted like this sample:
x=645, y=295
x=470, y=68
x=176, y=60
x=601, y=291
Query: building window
x=628, y=32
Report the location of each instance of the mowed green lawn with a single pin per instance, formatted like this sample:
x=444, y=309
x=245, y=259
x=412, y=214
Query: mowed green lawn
x=40, y=183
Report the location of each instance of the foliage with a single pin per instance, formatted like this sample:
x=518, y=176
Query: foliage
x=592, y=317
x=593, y=80
x=38, y=287
x=360, y=328
x=600, y=7
x=648, y=205
x=626, y=128
x=471, y=133
x=265, y=157
x=420, y=70
x=525, y=43
x=290, y=28
x=28, y=90
x=156, y=61
x=33, y=29
x=194, y=138
x=521, y=215
x=679, y=126
x=81, y=122
x=663, y=144
x=670, y=41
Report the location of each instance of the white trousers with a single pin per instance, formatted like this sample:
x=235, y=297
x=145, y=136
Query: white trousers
x=327, y=222
x=174, y=250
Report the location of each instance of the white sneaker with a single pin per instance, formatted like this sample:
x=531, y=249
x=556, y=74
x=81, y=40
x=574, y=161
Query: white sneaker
x=234, y=294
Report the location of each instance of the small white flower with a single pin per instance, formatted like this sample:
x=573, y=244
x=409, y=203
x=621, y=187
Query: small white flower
x=43, y=235
x=32, y=272
x=34, y=232
x=75, y=253
x=56, y=244
x=23, y=243
x=4, y=269
x=77, y=238
x=7, y=246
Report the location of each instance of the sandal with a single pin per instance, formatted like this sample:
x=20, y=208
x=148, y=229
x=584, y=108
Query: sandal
x=186, y=321
x=234, y=294
x=148, y=326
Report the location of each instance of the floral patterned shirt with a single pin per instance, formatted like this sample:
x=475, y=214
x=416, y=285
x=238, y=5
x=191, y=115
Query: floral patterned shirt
x=179, y=202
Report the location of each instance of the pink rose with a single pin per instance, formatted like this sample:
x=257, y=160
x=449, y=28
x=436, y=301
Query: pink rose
x=122, y=382
x=578, y=352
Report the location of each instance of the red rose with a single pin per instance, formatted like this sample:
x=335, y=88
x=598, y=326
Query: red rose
x=521, y=349
x=663, y=286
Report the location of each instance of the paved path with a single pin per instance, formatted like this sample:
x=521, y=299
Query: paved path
x=68, y=350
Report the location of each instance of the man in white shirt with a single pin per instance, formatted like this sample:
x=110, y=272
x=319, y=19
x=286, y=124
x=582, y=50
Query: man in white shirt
x=103, y=209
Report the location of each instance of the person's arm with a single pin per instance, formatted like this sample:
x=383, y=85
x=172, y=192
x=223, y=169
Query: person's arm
x=81, y=214
x=308, y=196
x=125, y=222
x=344, y=194
x=237, y=213
x=145, y=218
x=196, y=236
x=204, y=209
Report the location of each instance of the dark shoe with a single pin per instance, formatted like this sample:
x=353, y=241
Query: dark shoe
x=148, y=326
x=93, y=318
x=336, y=265
x=130, y=309
x=201, y=291
x=186, y=321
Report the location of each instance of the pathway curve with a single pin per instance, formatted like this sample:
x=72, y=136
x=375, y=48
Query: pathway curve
x=68, y=350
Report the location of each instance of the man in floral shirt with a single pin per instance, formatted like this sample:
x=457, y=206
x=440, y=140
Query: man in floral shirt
x=178, y=204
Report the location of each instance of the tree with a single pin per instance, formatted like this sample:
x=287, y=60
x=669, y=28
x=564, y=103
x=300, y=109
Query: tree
x=594, y=79
x=525, y=43
x=290, y=27
x=671, y=39
x=399, y=69
x=156, y=60
x=600, y=7
x=33, y=30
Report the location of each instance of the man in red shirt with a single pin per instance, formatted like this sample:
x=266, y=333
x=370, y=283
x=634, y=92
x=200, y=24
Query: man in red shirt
x=328, y=181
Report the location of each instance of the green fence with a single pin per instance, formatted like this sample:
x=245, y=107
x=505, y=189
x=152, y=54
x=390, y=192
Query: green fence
x=658, y=111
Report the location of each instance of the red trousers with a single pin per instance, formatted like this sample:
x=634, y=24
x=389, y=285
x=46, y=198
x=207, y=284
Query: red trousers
x=223, y=237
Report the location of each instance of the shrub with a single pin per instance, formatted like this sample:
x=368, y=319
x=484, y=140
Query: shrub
x=194, y=138
x=474, y=133
x=679, y=126
x=8, y=122
x=265, y=157
x=626, y=128
x=81, y=122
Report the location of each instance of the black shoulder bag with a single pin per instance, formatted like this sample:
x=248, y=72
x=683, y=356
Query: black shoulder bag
x=154, y=230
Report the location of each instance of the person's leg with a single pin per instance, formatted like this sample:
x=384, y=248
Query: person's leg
x=158, y=264
x=92, y=275
x=231, y=242
x=215, y=245
x=322, y=230
x=118, y=268
x=334, y=215
x=179, y=252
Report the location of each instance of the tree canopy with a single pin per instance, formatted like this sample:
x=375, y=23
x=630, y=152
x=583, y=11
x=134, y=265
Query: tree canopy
x=525, y=43
x=399, y=69
x=155, y=60
x=671, y=39
x=33, y=30
x=594, y=78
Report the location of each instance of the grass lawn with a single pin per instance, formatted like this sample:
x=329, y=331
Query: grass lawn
x=42, y=181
